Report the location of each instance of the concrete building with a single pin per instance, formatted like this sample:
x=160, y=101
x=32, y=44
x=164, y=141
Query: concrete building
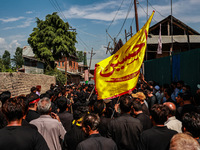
x=184, y=38
x=69, y=65
x=31, y=64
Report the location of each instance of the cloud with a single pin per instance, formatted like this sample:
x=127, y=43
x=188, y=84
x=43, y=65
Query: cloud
x=19, y=37
x=98, y=11
x=107, y=10
x=101, y=53
x=184, y=10
x=14, y=44
x=10, y=46
x=29, y=12
x=3, y=44
x=11, y=19
x=25, y=24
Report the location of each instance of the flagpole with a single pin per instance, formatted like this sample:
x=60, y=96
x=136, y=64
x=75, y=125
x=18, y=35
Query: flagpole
x=115, y=109
x=90, y=95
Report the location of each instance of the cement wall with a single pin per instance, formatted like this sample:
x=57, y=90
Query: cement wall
x=20, y=83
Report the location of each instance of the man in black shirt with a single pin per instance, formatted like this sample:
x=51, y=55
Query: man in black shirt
x=74, y=136
x=139, y=96
x=187, y=105
x=144, y=119
x=95, y=141
x=32, y=112
x=167, y=94
x=65, y=117
x=125, y=130
x=191, y=124
x=99, y=108
x=159, y=136
x=15, y=136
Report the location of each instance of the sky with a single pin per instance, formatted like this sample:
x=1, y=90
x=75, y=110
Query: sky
x=90, y=18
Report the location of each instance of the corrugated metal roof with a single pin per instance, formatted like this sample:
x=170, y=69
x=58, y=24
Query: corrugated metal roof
x=27, y=51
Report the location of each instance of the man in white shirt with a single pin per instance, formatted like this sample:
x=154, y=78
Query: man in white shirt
x=49, y=127
x=173, y=123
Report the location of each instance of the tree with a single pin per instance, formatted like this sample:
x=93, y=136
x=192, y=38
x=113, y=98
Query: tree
x=2, y=67
x=80, y=56
x=51, y=39
x=61, y=79
x=6, y=60
x=18, y=59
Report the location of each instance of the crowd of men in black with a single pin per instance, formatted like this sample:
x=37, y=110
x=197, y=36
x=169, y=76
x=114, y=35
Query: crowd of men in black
x=150, y=117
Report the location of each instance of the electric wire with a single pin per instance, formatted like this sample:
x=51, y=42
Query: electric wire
x=146, y=12
x=156, y=10
x=83, y=42
x=57, y=8
x=130, y=7
x=116, y=14
x=53, y=3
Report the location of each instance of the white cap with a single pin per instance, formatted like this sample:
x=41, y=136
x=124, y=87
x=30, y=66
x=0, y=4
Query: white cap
x=157, y=87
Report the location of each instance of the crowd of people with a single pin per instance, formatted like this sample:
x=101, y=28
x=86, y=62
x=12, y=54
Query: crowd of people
x=151, y=117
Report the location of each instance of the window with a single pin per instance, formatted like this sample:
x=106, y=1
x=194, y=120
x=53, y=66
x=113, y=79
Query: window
x=70, y=63
x=59, y=64
x=33, y=63
x=63, y=64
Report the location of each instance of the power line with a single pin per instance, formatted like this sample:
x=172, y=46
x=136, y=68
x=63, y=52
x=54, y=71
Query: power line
x=146, y=12
x=156, y=10
x=56, y=6
x=60, y=10
x=130, y=7
x=83, y=42
x=116, y=14
x=132, y=21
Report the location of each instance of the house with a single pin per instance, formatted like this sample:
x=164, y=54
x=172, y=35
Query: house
x=184, y=38
x=31, y=64
x=69, y=65
x=82, y=67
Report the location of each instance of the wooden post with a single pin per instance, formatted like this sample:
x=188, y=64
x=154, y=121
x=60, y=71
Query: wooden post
x=66, y=67
x=136, y=16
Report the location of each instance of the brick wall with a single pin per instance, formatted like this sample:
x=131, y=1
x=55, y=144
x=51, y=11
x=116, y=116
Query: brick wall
x=21, y=83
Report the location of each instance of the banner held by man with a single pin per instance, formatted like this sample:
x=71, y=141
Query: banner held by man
x=118, y=74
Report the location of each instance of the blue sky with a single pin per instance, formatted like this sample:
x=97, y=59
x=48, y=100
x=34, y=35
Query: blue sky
x=91, y=18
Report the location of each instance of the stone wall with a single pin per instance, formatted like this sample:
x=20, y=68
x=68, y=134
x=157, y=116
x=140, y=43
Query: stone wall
x=20, y=83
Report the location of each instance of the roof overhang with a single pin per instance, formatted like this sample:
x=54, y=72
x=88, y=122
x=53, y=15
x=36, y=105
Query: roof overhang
x=70, y=73
x=153, y=39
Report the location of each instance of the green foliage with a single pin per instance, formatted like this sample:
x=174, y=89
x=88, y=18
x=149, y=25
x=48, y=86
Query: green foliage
x=2, y=67
x=6, y=60
x=18, y=59
x=80, y=56
x=85, y=60
x=61, y=79
x=51, y=39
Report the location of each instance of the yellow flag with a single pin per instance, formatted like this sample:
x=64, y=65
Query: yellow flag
x=118, y=74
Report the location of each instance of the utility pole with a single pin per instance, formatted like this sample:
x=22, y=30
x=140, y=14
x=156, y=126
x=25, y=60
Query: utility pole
x=92, y=54
x=114, y=43
x=128, y=34
x=137, y=28
x=171, y=49
x=65, y=59
x=136, y=16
